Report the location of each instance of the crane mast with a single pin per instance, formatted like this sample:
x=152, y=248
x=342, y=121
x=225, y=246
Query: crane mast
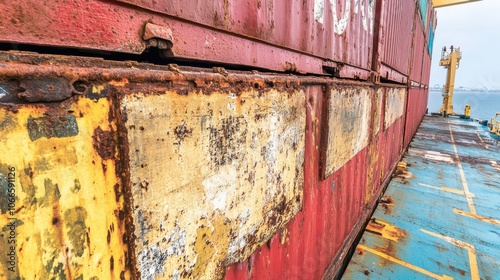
x=451, y=61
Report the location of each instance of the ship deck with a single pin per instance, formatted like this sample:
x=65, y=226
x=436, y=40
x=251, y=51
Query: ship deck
x=439, y=218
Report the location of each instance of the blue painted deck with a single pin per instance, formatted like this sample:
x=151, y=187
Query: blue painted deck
x=441, y=217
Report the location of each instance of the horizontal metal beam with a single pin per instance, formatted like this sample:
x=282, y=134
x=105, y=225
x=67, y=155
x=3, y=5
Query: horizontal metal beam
x=446, y=3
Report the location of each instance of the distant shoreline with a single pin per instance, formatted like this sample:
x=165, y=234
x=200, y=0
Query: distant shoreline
x=467, y=91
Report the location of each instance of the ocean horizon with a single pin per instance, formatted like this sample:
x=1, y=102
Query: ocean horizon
x=484, y=104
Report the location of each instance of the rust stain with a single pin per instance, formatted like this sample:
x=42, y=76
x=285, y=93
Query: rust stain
x=48, y=89
x=104, y=143
x=387, y=202
x=385, y=230
x=65, y=216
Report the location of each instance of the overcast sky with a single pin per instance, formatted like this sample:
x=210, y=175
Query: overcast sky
x=475, y=28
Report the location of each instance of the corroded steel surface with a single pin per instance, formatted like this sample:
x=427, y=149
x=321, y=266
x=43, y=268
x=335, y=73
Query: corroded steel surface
x=418, y=51
x=199, y=168
x=314, y=243
x=66, y=216
x=351, y=106
x=439, y=218
x=415, y=109
x=195, y=149
x=293, y=36
x=394, y=105
x=238, y=155
x=346, y=38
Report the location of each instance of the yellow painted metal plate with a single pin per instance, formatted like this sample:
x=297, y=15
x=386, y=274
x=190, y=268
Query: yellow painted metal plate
x=60, y=208
x=214, y=175
x=377, y=114
x=394, y=105
x=445, y=3
x=349, y=119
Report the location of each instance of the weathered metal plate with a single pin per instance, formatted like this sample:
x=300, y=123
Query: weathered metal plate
x=377, y=110
x=445, y=207
x=214, y=175
x=395, y=102
x=61, y=198
x=348, y=121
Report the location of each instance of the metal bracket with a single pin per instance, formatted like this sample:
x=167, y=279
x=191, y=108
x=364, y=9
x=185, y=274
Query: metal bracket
x=158, y=36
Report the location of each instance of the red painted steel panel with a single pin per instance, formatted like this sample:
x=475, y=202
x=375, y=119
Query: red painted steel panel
x=279, y=35
x=417, y=51
x=426, y=69
x=99, y=25
x=340, y=30
x=332, y=207
x=395, y=35
x=416, y=109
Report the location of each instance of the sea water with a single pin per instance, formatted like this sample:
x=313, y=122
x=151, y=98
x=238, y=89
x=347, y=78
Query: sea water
x=484, y=105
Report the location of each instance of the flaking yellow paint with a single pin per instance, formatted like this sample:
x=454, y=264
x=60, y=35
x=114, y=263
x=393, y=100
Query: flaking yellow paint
x=66, y=210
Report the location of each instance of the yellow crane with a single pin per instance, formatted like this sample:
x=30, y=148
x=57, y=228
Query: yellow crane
x=451, y=61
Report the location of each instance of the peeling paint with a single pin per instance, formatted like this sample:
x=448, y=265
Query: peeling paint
x=65, y=201
x=152, y=260
x=224, y=169
x=394, y=105
x=348, y=113
x=65, y=126
x=75, y=221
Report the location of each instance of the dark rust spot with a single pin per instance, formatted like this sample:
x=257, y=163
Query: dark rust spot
x=181, y=132
x=226, y=140
x=118, y=192
x=55, y=220
x=52, y=126
x=45, y=89
x=104, y=143
x=112, y=263
x=461, y=271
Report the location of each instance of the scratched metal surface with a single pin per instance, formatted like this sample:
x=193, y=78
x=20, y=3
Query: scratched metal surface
x=441, y=218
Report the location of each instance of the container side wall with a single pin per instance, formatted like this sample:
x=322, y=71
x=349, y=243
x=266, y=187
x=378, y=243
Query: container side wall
x=416, y=109
x=293, y=36
x=395, y=37
x=417, y=52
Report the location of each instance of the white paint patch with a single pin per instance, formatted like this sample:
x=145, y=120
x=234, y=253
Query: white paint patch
x=319, y=7
x=495, y=165
x=371, y=5
x=394, y=105
x=438, y=157
x=349, y=119
x=340, y=25
x=218, y=185
x=151, y=260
